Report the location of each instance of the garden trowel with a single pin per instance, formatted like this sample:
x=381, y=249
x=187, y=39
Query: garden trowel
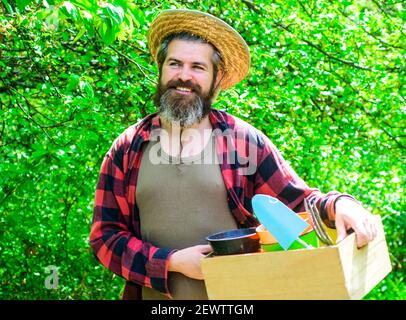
x=283, y=223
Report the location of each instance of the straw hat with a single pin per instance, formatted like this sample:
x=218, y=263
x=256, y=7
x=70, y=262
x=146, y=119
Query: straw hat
x=232, y=47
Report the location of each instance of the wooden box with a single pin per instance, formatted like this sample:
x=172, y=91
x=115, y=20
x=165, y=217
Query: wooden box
x=333, y=272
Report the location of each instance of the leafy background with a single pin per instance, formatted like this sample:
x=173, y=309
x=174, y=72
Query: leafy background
x=326, y=84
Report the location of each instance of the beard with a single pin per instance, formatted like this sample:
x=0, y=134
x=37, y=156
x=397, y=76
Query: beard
x=184, y=110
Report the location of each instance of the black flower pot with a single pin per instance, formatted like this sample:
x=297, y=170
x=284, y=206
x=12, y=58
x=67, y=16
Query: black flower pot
x=235, y=241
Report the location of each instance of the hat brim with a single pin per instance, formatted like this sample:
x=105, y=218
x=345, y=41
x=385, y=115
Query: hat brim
x=233, y=49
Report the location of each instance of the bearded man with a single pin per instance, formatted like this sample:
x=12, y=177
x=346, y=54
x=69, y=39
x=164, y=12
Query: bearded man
x=190, y=170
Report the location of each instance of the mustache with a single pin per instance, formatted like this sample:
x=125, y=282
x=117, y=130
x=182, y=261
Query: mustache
x=172, y=84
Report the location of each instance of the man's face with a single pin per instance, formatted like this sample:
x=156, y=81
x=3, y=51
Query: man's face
x=186, y=85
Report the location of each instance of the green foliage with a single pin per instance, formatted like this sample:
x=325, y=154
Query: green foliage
x=326, y=84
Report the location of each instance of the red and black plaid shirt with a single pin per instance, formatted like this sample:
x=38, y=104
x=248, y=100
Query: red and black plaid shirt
x=115, y=235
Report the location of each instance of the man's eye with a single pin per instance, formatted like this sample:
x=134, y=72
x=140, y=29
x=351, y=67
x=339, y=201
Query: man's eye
x=199, y=67
x=174, y=64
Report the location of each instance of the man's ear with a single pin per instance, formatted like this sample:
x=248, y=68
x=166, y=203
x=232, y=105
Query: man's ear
x=219, y=77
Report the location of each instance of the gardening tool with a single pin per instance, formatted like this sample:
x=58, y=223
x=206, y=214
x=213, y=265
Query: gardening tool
x=316, y=219
x=284, y=224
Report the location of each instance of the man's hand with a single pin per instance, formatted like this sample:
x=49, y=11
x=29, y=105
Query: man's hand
x=188, y=261
x=350, y=214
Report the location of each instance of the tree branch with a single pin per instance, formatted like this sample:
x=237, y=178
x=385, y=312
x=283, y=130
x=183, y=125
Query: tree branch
x=304, y=8
x=382, y=10
x=370, y=34
x=134, y=62
x=26, y=43
x=31, y=106
x=350, y=63
x=369, y=114
x=251, y=6
x=30, y=118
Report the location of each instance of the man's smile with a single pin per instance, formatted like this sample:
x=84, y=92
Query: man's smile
x=184, y=90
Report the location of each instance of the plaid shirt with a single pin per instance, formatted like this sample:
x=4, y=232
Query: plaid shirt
x=116, y=236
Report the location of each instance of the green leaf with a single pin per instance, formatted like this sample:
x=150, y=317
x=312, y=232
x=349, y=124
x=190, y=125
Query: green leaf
x=87, y=88
x=70, y=10
x=79, y=35
x=106, y=32
x=115, y=13
x=21, y=4
x=73, y=82
x=7, y=6
x=89, y=5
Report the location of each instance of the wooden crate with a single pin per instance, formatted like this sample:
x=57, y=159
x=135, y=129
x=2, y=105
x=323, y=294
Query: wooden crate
x=335, y=272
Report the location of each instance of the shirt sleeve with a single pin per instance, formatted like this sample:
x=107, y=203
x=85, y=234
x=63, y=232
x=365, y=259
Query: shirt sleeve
x=114, y=243
x=275, y=177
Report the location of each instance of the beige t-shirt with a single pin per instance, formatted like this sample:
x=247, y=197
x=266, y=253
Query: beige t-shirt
x=181, y=202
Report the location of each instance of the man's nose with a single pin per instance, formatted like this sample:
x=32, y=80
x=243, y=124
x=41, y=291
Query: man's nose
x=185, y=74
